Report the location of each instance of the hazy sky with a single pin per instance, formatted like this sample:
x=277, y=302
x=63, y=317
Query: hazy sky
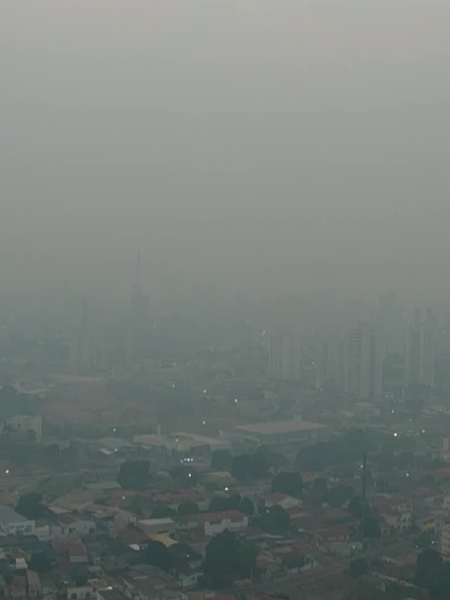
x=293, y=143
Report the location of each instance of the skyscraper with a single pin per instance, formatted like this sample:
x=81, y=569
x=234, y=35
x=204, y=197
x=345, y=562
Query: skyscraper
x=364, y=363
x=285, y=356
x=387, y=321
x=420, y=348
x=138, y=315
x=332, y=362
x=87, y=348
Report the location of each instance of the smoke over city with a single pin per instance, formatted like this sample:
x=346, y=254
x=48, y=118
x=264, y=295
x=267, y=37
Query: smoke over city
x=224, y=300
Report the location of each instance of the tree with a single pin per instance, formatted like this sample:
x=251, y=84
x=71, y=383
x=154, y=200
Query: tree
x=228, y=558
x=221, y=460
x=40, y=562
x=188, y=508
x=134, y=474
x=320, y=487
x=250, y=466
x=221, y=503
x=80, y=575
x=339, y=495
x=372, y=528
x=274, y=519
x=288, y=483
x=135, y=505
x=246, y=506
x=158, y=555
x=30, y=506
x=70, y=453
x=184, y=476
x=162, y=511
x=357, y=507
x=441, y=585
x=423, y=540
x=428, y=568
x=182, y=554
x=358, y=567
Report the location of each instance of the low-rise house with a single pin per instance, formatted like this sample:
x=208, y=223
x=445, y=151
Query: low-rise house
x=189, y=576
x=34, y=584
x=48, y=531
x=72, y=551
x=151, y=583
x=123, y=518
x=16, y=588
x=17, y=561
x=110, y=593
x=133, y=537
x=336, y=533
x=150, y=526
x=268, y=565
x=214, y=523
x=283, y=500
x=12, y=523
x=397, y=521
x=82, y=592
x=75, y=527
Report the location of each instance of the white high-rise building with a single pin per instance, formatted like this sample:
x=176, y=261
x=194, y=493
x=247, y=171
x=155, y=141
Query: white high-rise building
x=420, y=349
x=445, y=543
x=332, y=362
x=285, y=356
x=87, y=351
x=388, y=323
x=364, y=364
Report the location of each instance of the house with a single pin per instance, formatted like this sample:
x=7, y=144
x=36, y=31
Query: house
x=134, y=537
x=73, y=502
x=268, y=565
x=189, y=576
x=11, y=523
x=296, y=559
x=123, y=518
x=16, y=588
x=47, y=531
x=17, y=562
x=213, y=523
x=75, y=526
x=34, y=584
x=70, y=550
x=283, y=500
x=150, y=583
x=83, y=592
x=336, y=533
x=110, y=593
x=397, y=521
x=150, y=526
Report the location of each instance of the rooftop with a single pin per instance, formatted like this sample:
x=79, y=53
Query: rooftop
x=234, y=515
x=150, y=522
x=9, y=515
x=279, y=427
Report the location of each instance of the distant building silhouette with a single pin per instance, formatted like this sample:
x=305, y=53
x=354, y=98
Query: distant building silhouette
x=87, y=351
x=420, y=349
x=285, y=356
x=364, y=364
x=139, y=325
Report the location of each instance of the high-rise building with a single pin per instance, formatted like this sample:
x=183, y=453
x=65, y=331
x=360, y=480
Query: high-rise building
x=420, y=349
x=87, y=350
x=285, y=356
x=445, y=543
x=387, y=321
x=138, y=315
x=332, y=362
x=364, y=363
